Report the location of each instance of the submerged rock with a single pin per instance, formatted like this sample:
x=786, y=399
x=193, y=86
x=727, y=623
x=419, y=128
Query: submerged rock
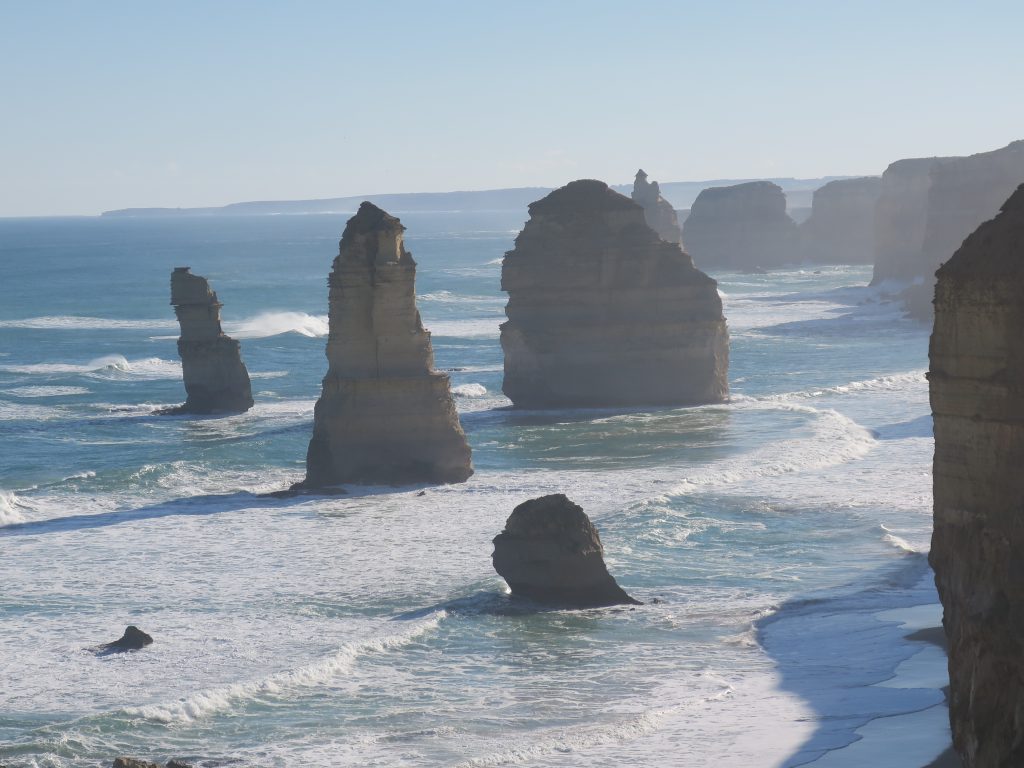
x=841, y=227
x=133, y=639
x=658, y=212
x=977, y=397
x=550, y=552
x=216, y=380
x=602, y=312
x=385, y=414
x=741, y=227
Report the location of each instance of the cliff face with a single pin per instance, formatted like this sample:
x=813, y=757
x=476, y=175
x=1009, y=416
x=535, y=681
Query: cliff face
x=977, y=397
x=741, y=227
x=216, y=380
x=658, y=212
x=385, y=415
x=900, y=218
x=841, y=228
x=603, y=312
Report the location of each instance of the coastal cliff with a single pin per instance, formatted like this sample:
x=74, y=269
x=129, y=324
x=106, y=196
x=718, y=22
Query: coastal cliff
x=742, y=227
x=841, y=227
x=385, y=415
x=216, y=380
x=658, y=212
x=602, y=312
x=977, y=397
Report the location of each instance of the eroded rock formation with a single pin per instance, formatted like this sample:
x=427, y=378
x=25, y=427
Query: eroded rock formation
x=133, y=639
x=742, y=227
x=603, y=312
x=385, y=415
x=659, y=213
x=977, y=397
x=841, y=227
x=216, y=379
x=550, y=552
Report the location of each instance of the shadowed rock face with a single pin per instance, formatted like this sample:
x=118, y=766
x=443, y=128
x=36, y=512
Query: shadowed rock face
x=741, y=227
x=550, y=552
x=658, y=212
x=841, y=228
x=602, y=312
x=385, y=415
x=977, y=396
x=216, y=379
x=133, y=639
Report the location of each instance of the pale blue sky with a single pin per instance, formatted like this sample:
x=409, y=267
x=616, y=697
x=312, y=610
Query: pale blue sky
x=117, y=104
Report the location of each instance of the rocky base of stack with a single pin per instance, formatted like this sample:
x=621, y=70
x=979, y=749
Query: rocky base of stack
x=390, y=431
x=216, y=379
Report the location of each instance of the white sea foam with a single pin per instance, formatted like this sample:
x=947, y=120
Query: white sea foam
x=108, y=366
x=72, y=322
x=45, y=391
x=477, y=328
x=897, y=541
x=269, y=324
x=10, y=509
x=469, y=390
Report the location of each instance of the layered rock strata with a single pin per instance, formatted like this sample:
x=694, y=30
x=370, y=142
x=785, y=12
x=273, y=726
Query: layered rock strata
x=550, y=552
x=901, y=215
x=658, y=212
x=841, y=227
x=216, y=380
x=977, y=397
x=385, y=415
x=603, y=313
x=742, y=227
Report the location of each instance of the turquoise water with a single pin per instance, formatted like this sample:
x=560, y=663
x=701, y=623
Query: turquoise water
x=371, y=629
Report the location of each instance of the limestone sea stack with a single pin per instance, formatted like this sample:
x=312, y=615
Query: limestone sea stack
x=550, y=552
x=604, y=313
x=216, y=380
x=742, y=227
x=977, y=397
x=841, y=227
x=658, y=212
x=385, y=415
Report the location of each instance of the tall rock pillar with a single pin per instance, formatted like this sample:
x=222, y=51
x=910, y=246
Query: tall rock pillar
x=659, y=213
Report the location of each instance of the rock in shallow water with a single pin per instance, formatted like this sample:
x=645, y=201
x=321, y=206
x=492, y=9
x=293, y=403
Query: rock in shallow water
x=977, y=396
x=551, y=552
x=133, y=639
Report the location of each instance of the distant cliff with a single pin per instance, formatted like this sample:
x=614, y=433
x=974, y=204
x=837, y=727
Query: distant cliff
x=841, y=227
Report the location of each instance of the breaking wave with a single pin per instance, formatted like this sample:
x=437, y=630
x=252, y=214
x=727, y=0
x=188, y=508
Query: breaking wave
x=10, y=509
x=105, y=367
x=72, y=322
x=469, y=390
x=269, y=324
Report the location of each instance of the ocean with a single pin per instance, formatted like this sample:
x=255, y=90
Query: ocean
x=778, y=540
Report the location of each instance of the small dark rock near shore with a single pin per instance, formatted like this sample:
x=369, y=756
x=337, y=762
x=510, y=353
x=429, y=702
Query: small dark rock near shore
x=551, y=552
x=131, y=762
x=133, y=639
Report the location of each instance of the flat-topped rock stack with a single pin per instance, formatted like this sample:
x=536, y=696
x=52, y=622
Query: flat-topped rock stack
x=841, y=227
x=216, y=380
x=741, y=227
x=385, y=415
x=658, y=212
x=977, y=397
x=604, y=313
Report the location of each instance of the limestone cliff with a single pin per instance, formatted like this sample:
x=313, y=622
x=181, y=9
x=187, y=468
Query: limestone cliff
x=901, y=214
x=659, y=213
x=742, y=227
x=216, y=380
x=385, y=415
x=551, y=552
x=603, y=312
x=841, y=227
x=977, y=397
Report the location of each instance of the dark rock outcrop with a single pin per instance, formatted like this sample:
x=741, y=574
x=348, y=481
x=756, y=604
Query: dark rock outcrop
x=658, y=212
x=133, y=639
x=131, y=762
x=977, y=397
x=603, y=313
x=550, y=552
x=385, y=415
x=216, y=380
x=841, y=227
x=741, y=227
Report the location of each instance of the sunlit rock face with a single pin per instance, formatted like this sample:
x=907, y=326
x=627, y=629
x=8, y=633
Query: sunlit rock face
x=216, y=380
x=602, y=312
x=741, y=227
x=551, y=552
x=841, y=227
x=977, y=397
x=385, y=415
x=658, y=212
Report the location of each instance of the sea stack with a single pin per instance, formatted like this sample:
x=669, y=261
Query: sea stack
x=604, y=313
x=385, y=415
x=550, y=552
x=841, y=227
x=658, y=212
x=216, y=380
x=743, y=227
x=977, y=397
